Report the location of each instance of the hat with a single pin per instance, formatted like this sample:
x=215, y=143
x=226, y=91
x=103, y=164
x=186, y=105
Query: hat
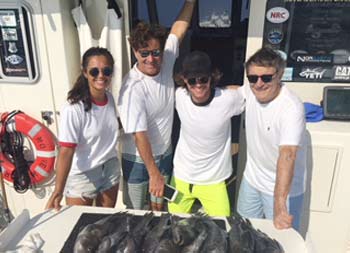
x=313, y=113
x=195, y=64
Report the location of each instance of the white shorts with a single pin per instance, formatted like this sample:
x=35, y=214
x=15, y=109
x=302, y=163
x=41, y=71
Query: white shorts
x=90, y=183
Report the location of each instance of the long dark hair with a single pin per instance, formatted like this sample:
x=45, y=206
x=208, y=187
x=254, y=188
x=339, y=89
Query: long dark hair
x=80, y=90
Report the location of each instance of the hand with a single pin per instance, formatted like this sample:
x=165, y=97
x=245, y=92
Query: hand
x=282, y=219
x=54, y=201
x=156, y=184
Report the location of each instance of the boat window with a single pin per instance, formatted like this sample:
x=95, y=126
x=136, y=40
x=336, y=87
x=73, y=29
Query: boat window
x=313, y=36
x=215, y=14
x=142, y=10
x=17, y=48
x=168, y=11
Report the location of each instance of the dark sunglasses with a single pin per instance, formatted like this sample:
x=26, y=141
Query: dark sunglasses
x=200, y=80
x=265, y=78
x=154, y=53
x=106, y=71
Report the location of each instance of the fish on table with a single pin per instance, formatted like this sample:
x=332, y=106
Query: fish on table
x=90, y=237
x=124, y=232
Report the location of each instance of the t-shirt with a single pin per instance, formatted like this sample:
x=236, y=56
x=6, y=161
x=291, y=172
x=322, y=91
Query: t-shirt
x=93, y=133
x=203, y=152
x=269, y=126
x=146, y=103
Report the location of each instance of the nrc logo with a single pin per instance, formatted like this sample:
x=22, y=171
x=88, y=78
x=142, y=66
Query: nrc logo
x=277, y=15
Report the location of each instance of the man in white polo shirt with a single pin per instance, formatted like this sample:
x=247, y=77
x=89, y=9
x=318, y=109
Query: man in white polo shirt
x=273, y=184
x=146, y=107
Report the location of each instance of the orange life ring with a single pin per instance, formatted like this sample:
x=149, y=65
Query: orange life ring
x=43, y=141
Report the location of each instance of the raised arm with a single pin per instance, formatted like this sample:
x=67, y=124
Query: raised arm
x=285, y=171
x=183, y=21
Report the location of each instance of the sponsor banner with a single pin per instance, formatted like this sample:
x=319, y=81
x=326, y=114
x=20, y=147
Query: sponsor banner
x=14, y=59
x=16, y=71
x=341, y=73
x=314, y=34
x=314, y=59
x=313, y=73
x=275, y=36
x=277, y=15
x=321, y=3
x=7, y=18
x=9, y=34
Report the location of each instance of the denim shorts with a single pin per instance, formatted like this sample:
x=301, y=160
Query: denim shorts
x=252, y=203
x=90, y=183
x=135, y=171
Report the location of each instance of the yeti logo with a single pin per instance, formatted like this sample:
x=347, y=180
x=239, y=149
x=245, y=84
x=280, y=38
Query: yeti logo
x=316, y=73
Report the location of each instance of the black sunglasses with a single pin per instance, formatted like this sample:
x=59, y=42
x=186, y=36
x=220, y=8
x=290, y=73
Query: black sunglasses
x=265, y=78
x=200, y=80
x=106, y=71
x=154, y=53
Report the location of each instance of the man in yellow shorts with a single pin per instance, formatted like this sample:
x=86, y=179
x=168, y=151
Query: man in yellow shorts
x=202, y=158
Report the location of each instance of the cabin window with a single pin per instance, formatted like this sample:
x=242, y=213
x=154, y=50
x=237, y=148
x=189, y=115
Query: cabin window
x=166, y=12
x=212, y=14
x=313, y=36
x=142, y=10
x=215, y=14
x=17, y=48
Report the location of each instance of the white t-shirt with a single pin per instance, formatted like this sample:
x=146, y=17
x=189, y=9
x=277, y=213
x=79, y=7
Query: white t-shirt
x=93, y=133
x=146, y=103
x=268, y=126
x=203, y=153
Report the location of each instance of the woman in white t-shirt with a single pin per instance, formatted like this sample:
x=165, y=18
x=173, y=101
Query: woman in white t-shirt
x=87, y=168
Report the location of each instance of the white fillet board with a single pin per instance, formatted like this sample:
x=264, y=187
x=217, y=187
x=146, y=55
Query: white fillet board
x=55, y=227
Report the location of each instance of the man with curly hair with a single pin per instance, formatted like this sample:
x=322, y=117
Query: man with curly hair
x=146, y=107
x=202, y=160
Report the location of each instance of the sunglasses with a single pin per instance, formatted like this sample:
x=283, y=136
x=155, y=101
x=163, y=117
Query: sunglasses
x=265, y=78
x=200, y=80
x=154, y=53
x=106, y=71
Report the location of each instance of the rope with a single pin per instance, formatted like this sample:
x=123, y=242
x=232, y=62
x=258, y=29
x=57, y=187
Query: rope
x=12, y=146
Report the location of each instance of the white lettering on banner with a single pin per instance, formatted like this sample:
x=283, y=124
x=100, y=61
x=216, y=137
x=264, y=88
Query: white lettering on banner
x=316, y=73
x=304, y=58
x=342, y=73
x=9, y=70
x=315, y=58
x=277, y=15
